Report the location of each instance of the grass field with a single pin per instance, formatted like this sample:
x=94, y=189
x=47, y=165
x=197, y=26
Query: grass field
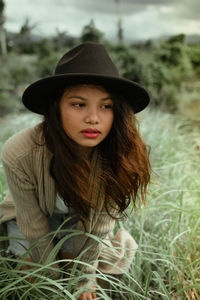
x=167, y=230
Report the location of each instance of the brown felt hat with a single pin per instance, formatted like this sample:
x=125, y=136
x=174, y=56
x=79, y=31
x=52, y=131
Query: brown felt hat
x=86, y=63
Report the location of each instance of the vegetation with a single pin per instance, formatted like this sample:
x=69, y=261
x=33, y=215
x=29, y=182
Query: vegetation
x=167, y=262
x=166, y=69
x=91, y=33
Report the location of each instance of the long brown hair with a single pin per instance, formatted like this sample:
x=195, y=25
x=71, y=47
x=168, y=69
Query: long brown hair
x=125, y=171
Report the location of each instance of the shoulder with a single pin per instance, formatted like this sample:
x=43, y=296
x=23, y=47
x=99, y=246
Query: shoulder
x=22, y=144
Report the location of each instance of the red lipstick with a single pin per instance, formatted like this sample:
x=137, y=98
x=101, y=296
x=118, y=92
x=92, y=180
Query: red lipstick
x=90, y=132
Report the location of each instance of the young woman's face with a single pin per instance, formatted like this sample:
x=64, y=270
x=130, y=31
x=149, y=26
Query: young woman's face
x=86, y=114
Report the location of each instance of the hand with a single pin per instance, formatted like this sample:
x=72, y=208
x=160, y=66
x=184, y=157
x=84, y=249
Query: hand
x=88, y=295
x=25, y=267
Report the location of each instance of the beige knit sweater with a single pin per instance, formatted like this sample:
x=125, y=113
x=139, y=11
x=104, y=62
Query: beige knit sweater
x=31, y=199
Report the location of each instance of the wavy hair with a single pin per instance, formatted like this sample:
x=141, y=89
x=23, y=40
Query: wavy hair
x=125, y=161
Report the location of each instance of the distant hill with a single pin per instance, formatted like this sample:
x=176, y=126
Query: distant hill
x=193, y=39
x=189, y=39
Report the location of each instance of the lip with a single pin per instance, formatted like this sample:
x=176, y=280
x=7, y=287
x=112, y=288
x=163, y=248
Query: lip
x=90, y=130
x=90, y=133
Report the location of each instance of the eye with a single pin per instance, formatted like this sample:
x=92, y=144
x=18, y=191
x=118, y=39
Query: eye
x=78, y=105
x=107, y=106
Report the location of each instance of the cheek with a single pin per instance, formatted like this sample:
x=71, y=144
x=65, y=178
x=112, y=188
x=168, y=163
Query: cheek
x=66, y=115
x=111, y=119
x=110, y=122
x=67, y=122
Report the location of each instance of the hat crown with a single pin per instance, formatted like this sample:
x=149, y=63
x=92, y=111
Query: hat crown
x=87, y=58
x=88, y=63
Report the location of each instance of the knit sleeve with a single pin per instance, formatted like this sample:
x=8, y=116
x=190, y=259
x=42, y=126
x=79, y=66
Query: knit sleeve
x=31, y=220
x=89, y=245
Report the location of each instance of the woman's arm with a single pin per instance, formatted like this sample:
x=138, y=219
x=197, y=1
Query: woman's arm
x=88, y=245
x=31, y=220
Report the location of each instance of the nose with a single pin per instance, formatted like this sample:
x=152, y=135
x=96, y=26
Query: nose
x=92, y=116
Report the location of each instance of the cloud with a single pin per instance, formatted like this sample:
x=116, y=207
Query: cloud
x=140, y=19
x=183, y=8
x=110, y=6
x=191, y=10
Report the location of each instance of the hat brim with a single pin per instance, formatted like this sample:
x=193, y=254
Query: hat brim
x=39, y=94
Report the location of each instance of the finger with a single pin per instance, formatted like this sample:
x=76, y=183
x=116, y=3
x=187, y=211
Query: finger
x=87, y=296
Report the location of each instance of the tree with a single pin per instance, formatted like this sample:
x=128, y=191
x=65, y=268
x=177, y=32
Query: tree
x=194, y=54
x=2, y=30
x=61, y=40
x=24, y=39
x=91, y=33
x=119, y=22
x=172, y=51
x=178, y=38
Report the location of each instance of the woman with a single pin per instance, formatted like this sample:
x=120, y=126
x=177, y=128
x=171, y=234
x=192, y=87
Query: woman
x=80, y=168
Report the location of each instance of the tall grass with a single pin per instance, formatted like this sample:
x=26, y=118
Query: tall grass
x=167, y=230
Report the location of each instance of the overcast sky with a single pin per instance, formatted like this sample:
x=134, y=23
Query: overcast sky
x=142, y=19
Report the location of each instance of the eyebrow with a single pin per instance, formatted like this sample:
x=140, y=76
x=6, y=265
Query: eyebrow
x=85, y=99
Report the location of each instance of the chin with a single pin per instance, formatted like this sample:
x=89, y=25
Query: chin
x=89, y=144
